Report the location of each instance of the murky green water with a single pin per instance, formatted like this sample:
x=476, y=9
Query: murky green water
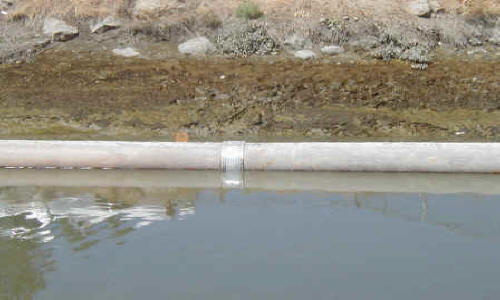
x=145, y=235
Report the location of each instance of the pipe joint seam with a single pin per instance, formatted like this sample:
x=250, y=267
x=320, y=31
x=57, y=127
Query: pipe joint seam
x=232, y=156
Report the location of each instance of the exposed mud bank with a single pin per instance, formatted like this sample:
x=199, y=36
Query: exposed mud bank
x=93, y=95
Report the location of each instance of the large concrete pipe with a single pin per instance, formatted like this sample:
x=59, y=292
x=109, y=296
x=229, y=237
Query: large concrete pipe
x=396, y=157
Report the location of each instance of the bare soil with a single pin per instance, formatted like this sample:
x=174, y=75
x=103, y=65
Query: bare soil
x=94, y=95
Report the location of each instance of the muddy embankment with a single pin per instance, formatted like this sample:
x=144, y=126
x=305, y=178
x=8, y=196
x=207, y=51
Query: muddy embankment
x=94, y=95
x=371, y=72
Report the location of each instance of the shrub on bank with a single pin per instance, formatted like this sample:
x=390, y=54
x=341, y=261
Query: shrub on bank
x=248, y=10
x=209, y=19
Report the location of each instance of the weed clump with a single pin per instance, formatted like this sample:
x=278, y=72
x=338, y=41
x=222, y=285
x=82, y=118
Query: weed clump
x=248, y=11
x=244, y=39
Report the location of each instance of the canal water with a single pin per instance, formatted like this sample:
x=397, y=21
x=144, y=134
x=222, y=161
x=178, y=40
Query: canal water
x=67, y=234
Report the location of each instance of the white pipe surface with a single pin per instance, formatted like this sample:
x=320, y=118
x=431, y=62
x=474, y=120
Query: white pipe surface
x=391, y=157
x=104, y=154
x=375, y=157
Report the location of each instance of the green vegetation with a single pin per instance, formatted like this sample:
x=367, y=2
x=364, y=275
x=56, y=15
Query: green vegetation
x=248, y=10
x=331, y=23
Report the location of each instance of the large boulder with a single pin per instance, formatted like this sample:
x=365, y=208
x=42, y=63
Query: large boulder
x=197, y=46
x=419, y=8
x=149, y=7
x=59, y=30
x=108, y=23
x=332, y=50
x=305, y=54
x=436, y=6
x=5, y=5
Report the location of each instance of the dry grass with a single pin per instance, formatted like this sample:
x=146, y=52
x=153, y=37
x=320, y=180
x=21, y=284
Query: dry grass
x=473, y=7
x=303, y=9
x=483, y=7
x=374, y=9
x=68, y=8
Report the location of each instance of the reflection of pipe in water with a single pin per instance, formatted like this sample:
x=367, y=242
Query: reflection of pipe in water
x=279, y=181
x=424, y=207
x=381, y=157
x=82, y=213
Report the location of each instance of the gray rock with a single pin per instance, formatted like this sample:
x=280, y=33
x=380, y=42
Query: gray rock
x=108, y=23
x=332, y=50
x=5, y=5
x=419, y=66
x=419, y=8
x=365, y=44
x=475, y=42
x=435, y=6
x=40, y=42
x=197, y=46
x=317, y=132
x=297, y=42
x=305, y=54
x=59, y=30
x=25, y=51
x=127, y=52
x=148, y=7
x=495, y=38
